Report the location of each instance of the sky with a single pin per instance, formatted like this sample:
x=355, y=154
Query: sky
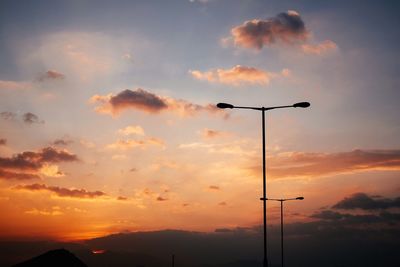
x=108, y=121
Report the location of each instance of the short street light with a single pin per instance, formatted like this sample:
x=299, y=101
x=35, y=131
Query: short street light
x=282, y=200
x=264, y=198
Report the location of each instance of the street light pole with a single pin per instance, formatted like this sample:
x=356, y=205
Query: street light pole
x=281, y=200
x=264, y=198
x=265, y=264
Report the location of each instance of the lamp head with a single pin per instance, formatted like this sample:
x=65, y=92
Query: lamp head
x=224, y=105
x=302, y=105
x=299, y=198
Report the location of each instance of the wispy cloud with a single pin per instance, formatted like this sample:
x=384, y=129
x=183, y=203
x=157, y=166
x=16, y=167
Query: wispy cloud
x=8, y=116
x=51, y=75
x=148, y=102
x=210, y=134
x=14, y=85
x=234, y=148
x=299, y=164
x=319, y=49
x=62, y=192
x=238, y=75
x=131, y=130
x=62, y=142
x=132, y=143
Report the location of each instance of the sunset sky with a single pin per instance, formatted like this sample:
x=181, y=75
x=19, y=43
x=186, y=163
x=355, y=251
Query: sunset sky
x=108, y=120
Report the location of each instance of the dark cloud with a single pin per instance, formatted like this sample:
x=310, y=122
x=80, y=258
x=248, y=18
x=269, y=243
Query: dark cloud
x=51, y=75
x=140, y=99
x=287, y=27
x=143, y=100
x=29, y=160
x=3, y=141
x=358, y=220
x=31, y=118
x=122, y=198
x=365, y=202
x=7, y=175
x=62, y=142
x=26, y=165
x=214, y=187
x=7, y=115
x=50, y=154
x=62, y=192
x=161, y=198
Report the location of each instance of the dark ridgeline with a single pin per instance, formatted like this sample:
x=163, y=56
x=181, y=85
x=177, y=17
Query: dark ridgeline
x=53, y=258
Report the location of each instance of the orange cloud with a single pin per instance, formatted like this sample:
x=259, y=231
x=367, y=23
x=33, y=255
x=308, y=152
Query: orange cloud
x=287, y=27
x=131, y=130
x=299, y=164
x=132, y=143
x=52, y=212
x=234, y=148
x=238, y=75
x=319, y=49
x=62, y=192
x=148, y=102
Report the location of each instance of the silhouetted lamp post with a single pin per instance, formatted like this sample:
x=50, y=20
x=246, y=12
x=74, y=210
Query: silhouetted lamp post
x=264, y=198
x=282, y=200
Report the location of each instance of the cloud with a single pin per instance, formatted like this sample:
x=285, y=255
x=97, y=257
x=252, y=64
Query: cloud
x=299, y=164
x=7, y=115
x=51, y=170
x=365, y=202
x=51, y=75
x=62, y=142
x=8, y=175
x=62, y=192
x=161, y=199
x=55, y=211
x=132, y=143
x=148, y=102
x=287, y=27
x=3, y=141
x=28, y=164
x=209, y=134
x=236, y=76
x=31, y=118
x=131, y=130
x=14, y=85
x=357, y=220
x=214, y=187
x=234, y=148
x=319, y=49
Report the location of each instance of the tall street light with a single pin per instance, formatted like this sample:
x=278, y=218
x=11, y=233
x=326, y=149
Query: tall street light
x=282, y=200
x=264, y=198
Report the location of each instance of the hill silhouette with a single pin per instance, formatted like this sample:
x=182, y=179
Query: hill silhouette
x=59, y=258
